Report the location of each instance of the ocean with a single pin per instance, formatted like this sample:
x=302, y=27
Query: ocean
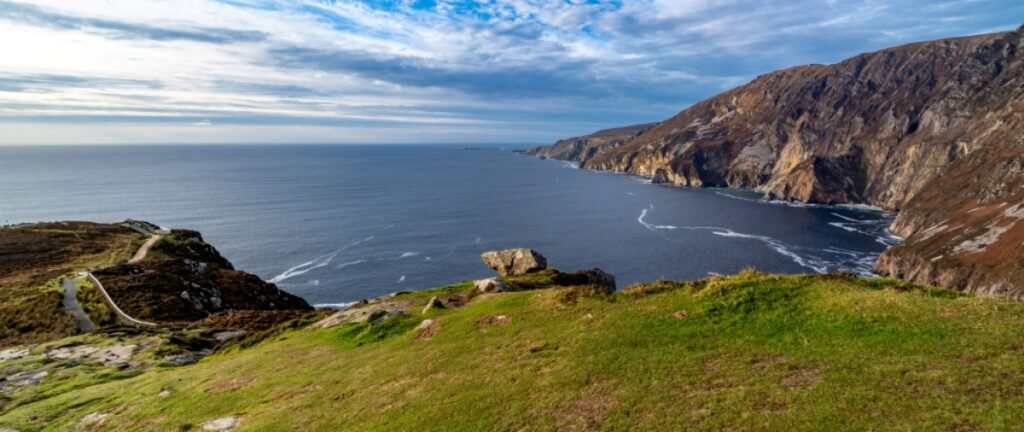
x=335, y=224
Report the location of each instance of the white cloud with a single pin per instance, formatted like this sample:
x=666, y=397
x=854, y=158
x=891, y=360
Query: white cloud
x=103, y=66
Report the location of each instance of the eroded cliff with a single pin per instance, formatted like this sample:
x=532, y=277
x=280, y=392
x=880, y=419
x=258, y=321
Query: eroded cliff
x=931, y=129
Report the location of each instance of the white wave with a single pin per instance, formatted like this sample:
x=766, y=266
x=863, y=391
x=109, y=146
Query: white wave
x=776, y=245
x=848, y=219
x=847, y=228
x=304, y=268
x=315, y=282
x=409, y=254
x=350, y=263
x=401, y=279
x=570, y=164
x=652, y=227
x=315, y=263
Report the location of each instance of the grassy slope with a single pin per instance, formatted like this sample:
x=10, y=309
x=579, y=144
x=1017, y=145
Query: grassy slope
x=754, y=352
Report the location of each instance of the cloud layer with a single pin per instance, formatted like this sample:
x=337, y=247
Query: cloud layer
x=512, y=71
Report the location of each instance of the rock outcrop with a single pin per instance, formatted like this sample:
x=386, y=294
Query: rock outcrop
x=517, y=261
x=931, y=129
x=185, y=279
x=596, y=277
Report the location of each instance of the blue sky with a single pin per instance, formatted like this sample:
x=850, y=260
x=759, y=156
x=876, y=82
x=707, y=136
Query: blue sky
x=407, y=71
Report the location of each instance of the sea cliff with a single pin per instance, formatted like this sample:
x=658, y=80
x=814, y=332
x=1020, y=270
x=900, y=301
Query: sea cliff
x=930, y=129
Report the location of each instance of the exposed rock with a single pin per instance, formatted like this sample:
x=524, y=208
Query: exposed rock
x=223, y=424
x=433, y=303
x=13, y=354
x=582, y=148
x=75, y=353
x=426, y=329
x=596, y=277
x=931, y=129
x=182, y=359
x=365, y=312
x=489, y=285
x=514, y=261
x=225, y=336
x=92, y=418
x=114, y=355
x=25, y=379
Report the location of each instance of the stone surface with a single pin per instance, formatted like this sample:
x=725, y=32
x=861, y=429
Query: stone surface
x=489, y=285
x=514, y=261
x=25, y=379
x=225, y=336
x=931, y=129
x=92, y=418
x=13, y=354
x=223, y=424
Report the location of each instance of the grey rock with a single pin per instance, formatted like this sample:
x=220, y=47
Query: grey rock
x=225, y=336
x=490, y=285
x=517, y=261
x=222, y=424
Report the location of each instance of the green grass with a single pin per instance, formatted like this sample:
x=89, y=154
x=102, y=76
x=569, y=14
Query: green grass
x=746, y=352
x=95, y=305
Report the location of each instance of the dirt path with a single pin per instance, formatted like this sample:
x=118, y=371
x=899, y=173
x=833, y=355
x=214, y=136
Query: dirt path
x=71, y=305
x=125, y=318
x=144, y=249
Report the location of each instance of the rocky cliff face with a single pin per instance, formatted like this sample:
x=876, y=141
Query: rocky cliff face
x=185, y=279
x=583, y=148
x=932, y=129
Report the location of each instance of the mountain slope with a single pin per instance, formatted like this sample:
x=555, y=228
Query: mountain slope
x=931, y=129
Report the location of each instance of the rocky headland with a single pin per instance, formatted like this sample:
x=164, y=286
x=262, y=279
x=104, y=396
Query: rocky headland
x=932, y=130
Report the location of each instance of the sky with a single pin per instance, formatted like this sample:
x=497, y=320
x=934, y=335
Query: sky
x=416, y=71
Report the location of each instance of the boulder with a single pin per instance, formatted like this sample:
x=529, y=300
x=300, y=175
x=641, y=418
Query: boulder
x=514, y=261
x=490, y=285
x=595, y=276
x=223, y=424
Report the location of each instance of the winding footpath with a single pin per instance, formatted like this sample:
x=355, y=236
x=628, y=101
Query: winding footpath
x=144, y=249
x=71, y=305
x=121, y=314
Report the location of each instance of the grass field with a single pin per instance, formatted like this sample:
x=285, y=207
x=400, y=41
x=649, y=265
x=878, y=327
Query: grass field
x=746, y=352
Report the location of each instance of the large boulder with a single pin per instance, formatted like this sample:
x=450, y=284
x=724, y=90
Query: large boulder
x=595, y=277
x=514, y=261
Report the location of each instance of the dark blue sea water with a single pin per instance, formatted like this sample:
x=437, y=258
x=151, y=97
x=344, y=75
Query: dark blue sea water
x=339, y=223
